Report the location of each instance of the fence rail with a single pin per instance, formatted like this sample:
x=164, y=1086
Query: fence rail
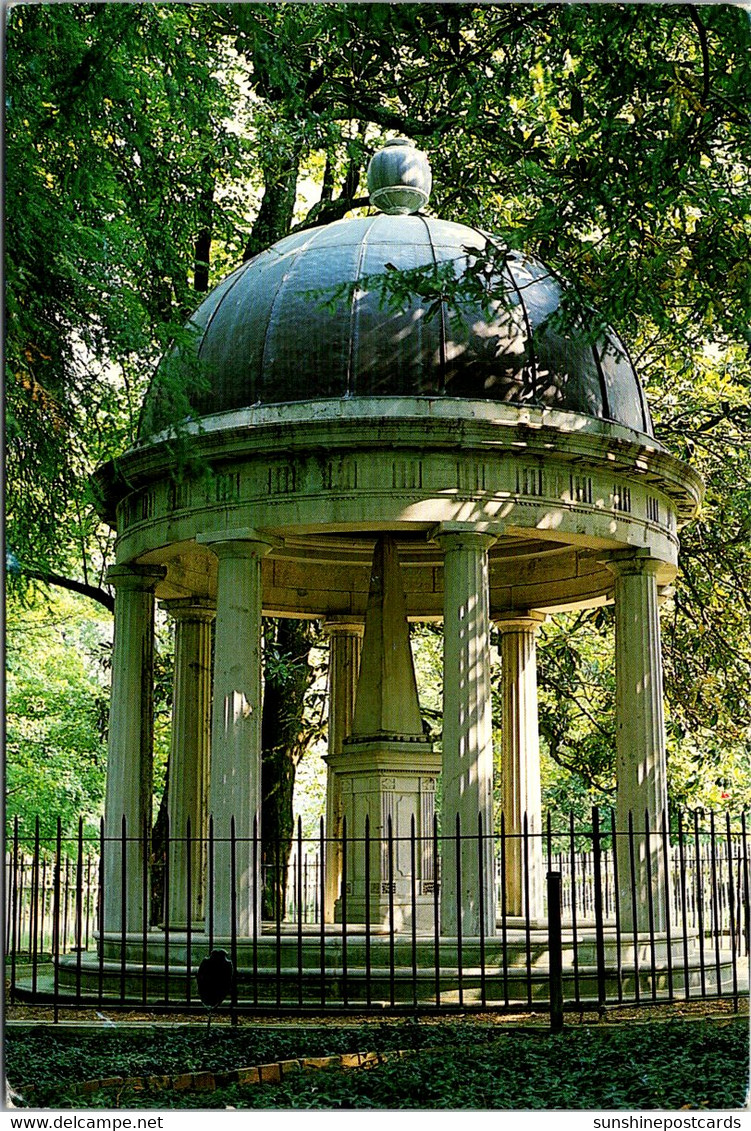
x=416, y=925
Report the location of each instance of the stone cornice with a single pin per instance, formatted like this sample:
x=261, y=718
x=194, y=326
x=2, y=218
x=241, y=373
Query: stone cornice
x=411, y=424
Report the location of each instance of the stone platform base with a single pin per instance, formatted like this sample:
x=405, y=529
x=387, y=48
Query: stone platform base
x=373, y=971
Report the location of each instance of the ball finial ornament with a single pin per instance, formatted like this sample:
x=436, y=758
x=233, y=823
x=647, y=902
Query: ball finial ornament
x=399, y=178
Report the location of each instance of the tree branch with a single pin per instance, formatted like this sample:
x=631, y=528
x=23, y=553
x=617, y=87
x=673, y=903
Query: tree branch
x=324, y=213
x=702, y=33
x=93, y=592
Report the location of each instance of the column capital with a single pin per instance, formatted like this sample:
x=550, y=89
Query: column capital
x=511, y=621
x=245, y=543
x=462, y=536
x=144, y=577
x=343, y=626
x=625, y=563
x=190, y=608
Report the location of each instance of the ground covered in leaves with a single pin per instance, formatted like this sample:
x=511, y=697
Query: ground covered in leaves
x=681, y=1062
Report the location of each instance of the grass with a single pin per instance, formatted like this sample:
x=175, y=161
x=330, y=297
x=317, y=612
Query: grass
x=660, y=1065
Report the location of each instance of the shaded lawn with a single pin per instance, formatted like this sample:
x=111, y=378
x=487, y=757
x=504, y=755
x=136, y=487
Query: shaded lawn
x=670, y=1065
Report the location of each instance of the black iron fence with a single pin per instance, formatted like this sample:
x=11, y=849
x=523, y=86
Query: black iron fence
x=651, y=913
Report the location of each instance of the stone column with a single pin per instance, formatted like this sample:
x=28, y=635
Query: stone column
x=467, y=766
x=187, y=790
x=641, y=773
x=345, y=646
x=235, y=776
x=130, y=751
x=520, y=764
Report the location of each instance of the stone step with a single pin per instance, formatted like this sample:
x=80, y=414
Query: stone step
x=510, y=951
x=287, y=985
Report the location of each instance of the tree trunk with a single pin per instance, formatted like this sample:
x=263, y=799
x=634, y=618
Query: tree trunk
x=202, y=249
x=277, y=209
x=284, y=741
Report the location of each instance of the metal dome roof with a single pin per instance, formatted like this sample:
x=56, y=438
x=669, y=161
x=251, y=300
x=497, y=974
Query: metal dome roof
x=312, y=318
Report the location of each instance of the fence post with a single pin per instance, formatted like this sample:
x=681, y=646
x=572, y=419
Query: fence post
x=458, y=889
x=123, y=904
x=15, y=915
x=481, y=890
x=233, y=917
x=210, y=884
x=390, y=857
x=79, y=906
x=257, y=898
x=100, y=910
x=715, y=903
x=321, y=905
x=188, y=910
x=555, y=952
x=504, y=928
x=731, y=911
x=599, y=917
x=746, y=895
x=34, y=911
x=345, y=881
x=145, y=908
x=366, y=862
x=166, y=904
x=574, y=905
x=436, y=912
x=413, y=899
x=56, y=944
x=298, y=894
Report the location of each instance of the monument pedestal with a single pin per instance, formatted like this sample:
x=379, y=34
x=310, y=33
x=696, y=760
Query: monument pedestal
x=388, y=788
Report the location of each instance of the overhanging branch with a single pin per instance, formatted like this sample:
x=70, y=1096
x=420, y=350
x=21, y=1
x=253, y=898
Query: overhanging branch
x=93, y=592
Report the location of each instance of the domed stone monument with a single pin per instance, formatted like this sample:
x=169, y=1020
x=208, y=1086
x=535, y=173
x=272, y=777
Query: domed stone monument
x=398, y=419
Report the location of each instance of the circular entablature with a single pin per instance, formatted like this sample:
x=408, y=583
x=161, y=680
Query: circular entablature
x=327, y=575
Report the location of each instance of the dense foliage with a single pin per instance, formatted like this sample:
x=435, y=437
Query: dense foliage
x=56, y=716
x=678, y=1065
x=150, y=147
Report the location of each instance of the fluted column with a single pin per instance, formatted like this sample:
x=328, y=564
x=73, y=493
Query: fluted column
x=345, y=646
x=187, y=793
x=131, y=740
x=235, y=776
x=641, y=772
x=467, y=766
x=520, y=765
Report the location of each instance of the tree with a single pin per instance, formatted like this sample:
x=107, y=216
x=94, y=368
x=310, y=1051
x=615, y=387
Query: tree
x=56, y=716
x=112, y=117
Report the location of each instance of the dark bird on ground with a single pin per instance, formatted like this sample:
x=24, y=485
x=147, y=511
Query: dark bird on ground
x=214, y=978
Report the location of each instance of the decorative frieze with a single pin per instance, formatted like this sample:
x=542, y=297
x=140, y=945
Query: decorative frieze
x=340, y=474
x=227, y=487
x=406, y=474
x=139, y=507
x=530, y=481
x=471, y=476
x=178, y=495
x=282, y=479
x=622, y=498
x=580, y=488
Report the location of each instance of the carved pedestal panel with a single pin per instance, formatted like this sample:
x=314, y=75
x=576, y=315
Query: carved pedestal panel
x=388, y=802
